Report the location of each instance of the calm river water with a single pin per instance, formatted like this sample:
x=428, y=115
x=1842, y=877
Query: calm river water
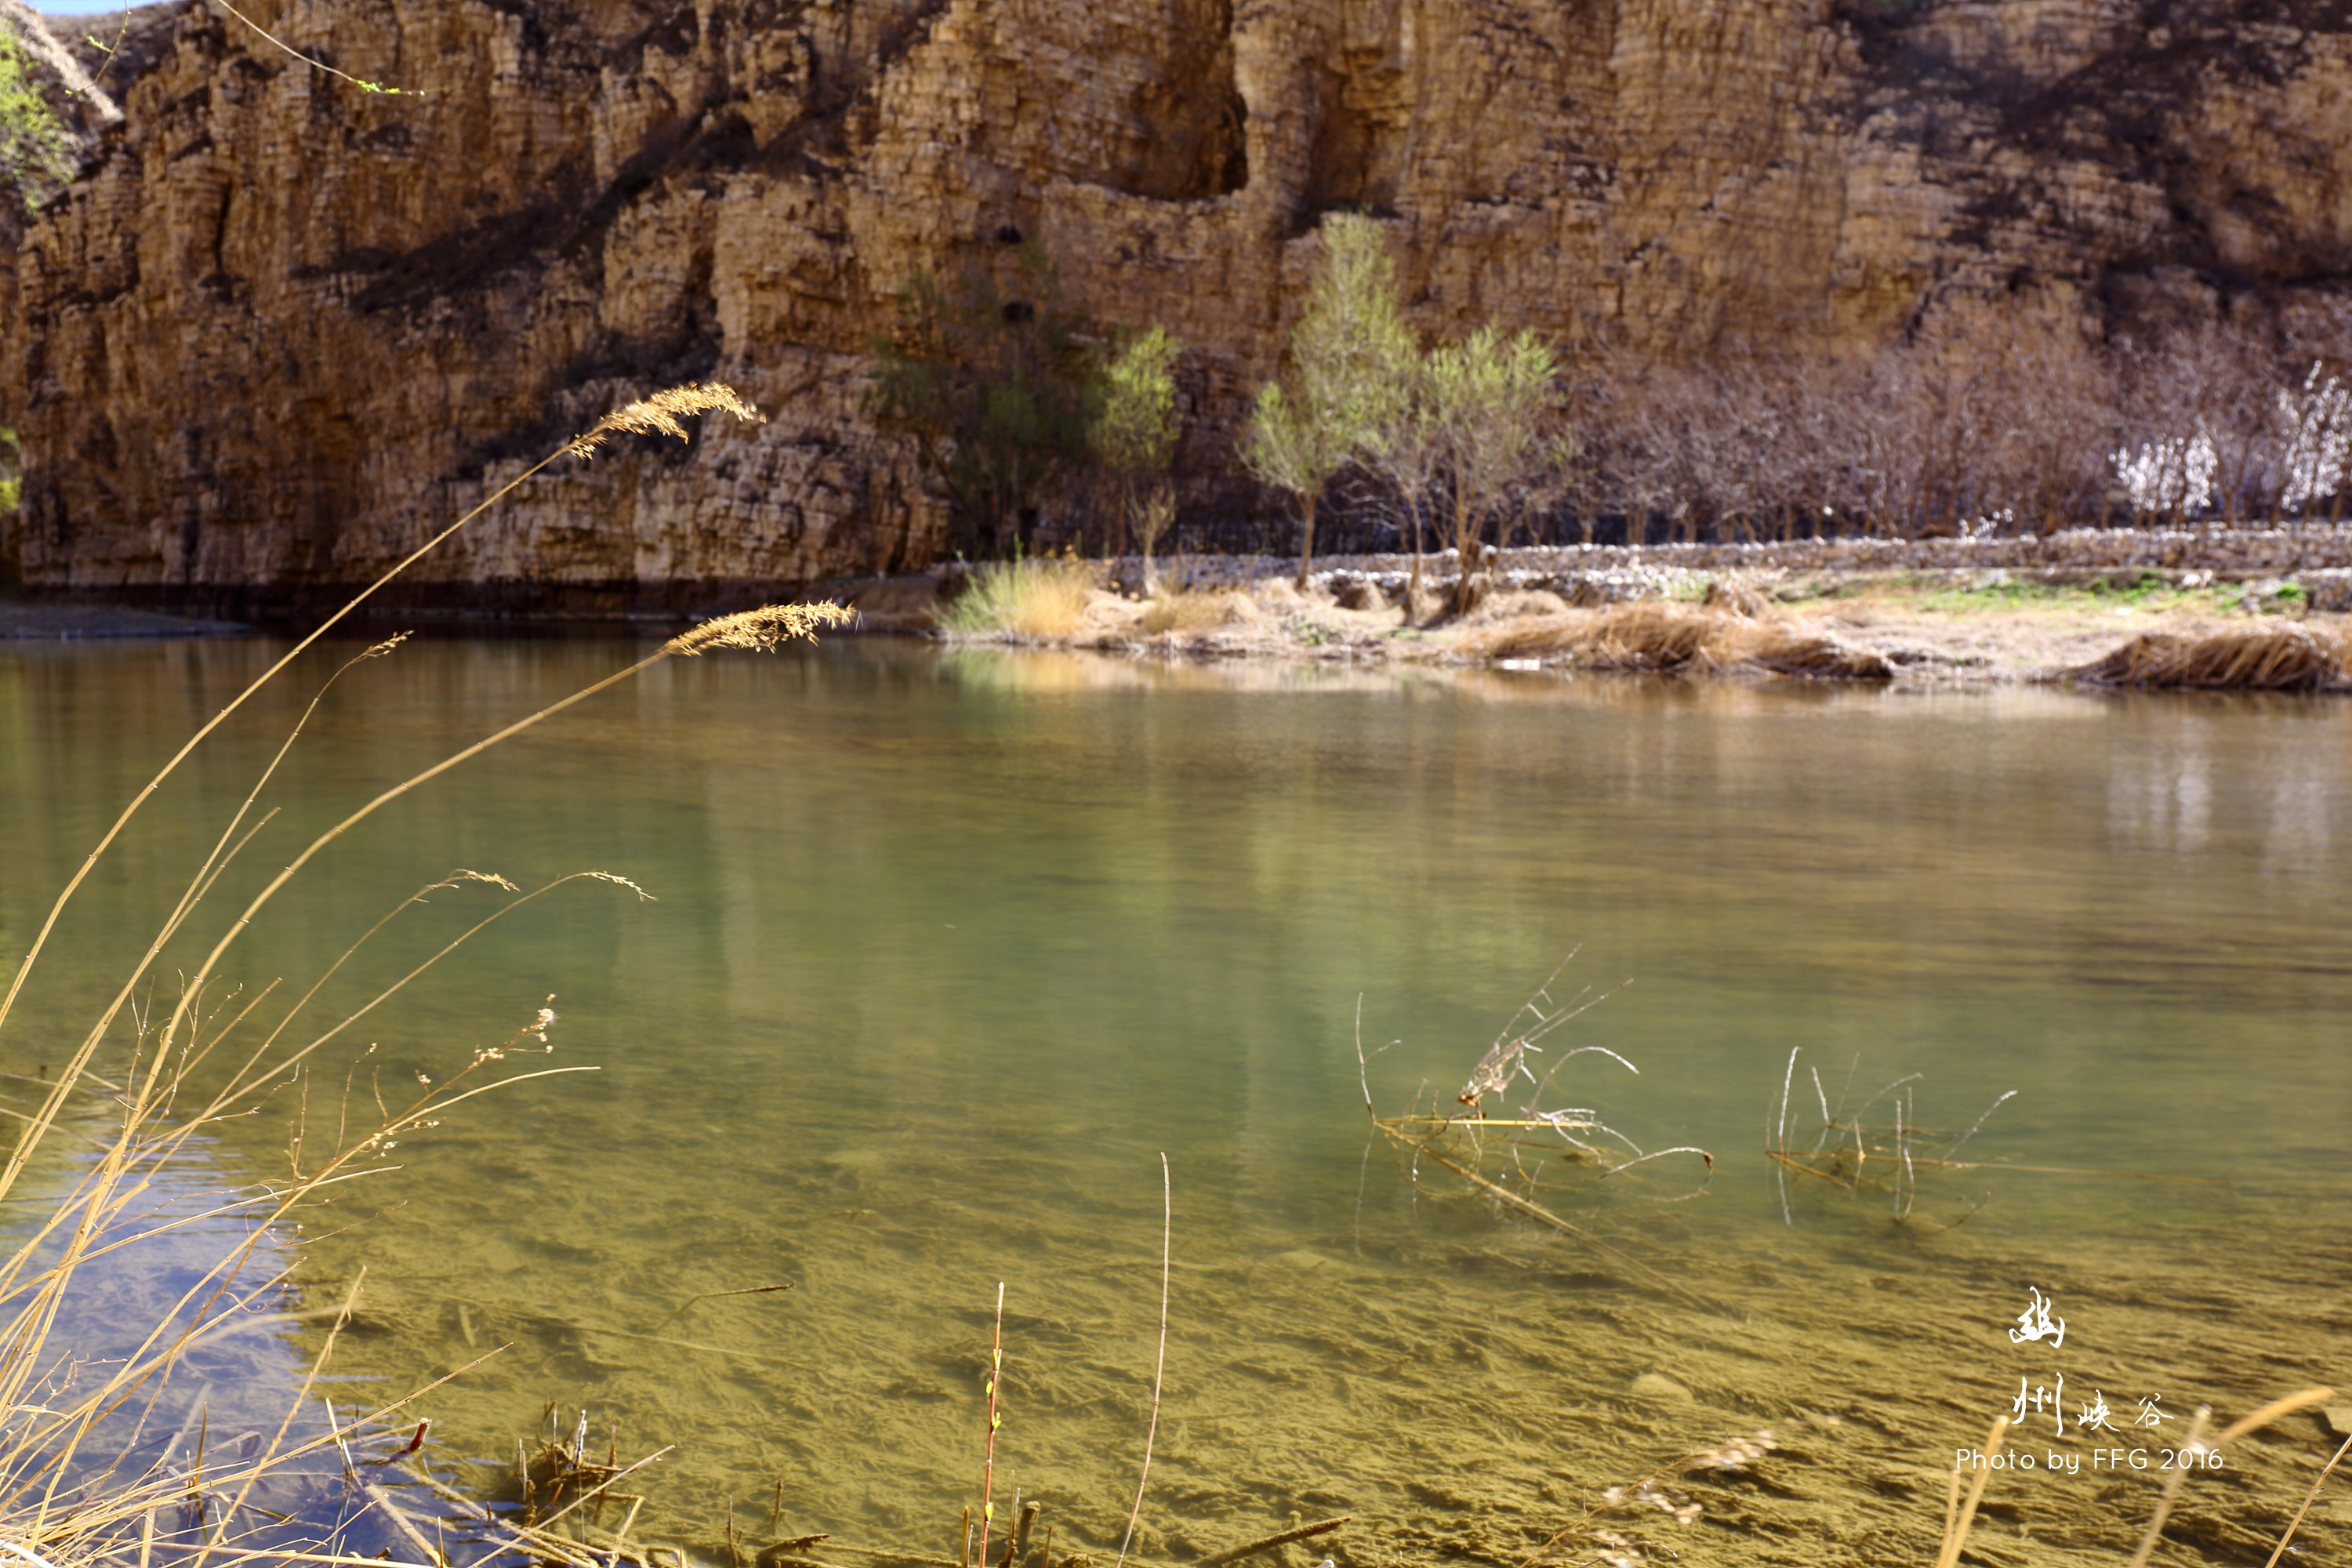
x=950, y=948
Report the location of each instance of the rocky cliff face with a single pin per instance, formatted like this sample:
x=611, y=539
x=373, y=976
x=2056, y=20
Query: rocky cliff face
x=283, y=327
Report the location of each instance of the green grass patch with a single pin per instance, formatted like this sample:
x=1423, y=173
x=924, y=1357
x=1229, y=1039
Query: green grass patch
x=2149, y=591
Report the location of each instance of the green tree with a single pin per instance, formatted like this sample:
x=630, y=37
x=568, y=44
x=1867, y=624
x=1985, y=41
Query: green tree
x=1490, y=395
x=997, y=391
x=1135, y=430
x=1407, y=451
x=1339, y=385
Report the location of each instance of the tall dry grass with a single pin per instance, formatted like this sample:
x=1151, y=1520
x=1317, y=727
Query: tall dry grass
x=74, y=1485
x=2270, y=658
x=1040, y=599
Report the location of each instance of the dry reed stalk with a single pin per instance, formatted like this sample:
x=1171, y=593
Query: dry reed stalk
x=2283, y=658
x=988, y=1463
x=2309, y=1497
x=1160, y=1361
x=715, y=1294
x=668, y=405
x=2194, y=1444
x=1957, y=1537
x=530, y=1539
x=403, y=1526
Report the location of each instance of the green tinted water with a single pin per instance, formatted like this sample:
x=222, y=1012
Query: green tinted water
x=949, y=949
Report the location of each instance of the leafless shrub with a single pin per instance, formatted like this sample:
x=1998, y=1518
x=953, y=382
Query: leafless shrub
x=1999, y=424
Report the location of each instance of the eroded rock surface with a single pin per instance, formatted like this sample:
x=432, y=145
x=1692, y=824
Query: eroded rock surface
x=284, y=328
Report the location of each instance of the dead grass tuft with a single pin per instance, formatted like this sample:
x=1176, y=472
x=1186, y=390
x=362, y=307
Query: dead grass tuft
x=1816, y=655
x=1190, y=611
x=2278, y=658
x=1515, y=603
x=1658, y=638
x=1735, y=598
x=1656, y=635
x=1026, y=601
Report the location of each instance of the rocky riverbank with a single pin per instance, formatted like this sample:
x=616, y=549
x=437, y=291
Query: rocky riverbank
x=2256, y=608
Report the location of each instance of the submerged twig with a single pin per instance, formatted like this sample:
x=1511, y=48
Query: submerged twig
x=715, y=1294
x=1268, y=1542
x=1538, y=1212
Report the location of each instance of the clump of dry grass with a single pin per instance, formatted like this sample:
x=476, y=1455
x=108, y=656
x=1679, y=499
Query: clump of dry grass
x=1196, y=610
x=1515, y=603
x=2272, y=658
x=1659, y=637
x=1027, y=601
x=1735, y=598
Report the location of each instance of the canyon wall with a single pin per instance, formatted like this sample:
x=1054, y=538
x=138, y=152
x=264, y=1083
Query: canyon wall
x=283, y=328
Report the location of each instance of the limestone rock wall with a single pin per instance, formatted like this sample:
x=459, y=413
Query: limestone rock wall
x=283, y=328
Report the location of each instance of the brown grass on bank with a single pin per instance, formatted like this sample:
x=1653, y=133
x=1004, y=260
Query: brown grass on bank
x=1198, y=610
x=2285, y=656
x=1660, y=638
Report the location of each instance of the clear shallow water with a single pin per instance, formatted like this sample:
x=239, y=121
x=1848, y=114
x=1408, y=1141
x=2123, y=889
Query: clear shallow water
x=949, y=949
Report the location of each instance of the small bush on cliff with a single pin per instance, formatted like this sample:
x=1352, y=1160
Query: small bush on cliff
x=996, y=388
x=33, y=146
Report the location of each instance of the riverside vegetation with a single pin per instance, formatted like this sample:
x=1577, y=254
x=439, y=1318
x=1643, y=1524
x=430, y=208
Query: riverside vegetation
x=2011, y=434
x=2004, y=427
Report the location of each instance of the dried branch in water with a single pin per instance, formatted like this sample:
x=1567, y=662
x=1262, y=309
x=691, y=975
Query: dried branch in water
x=1267, y=1543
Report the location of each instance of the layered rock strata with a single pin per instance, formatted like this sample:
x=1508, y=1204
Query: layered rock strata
x=284, y=327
